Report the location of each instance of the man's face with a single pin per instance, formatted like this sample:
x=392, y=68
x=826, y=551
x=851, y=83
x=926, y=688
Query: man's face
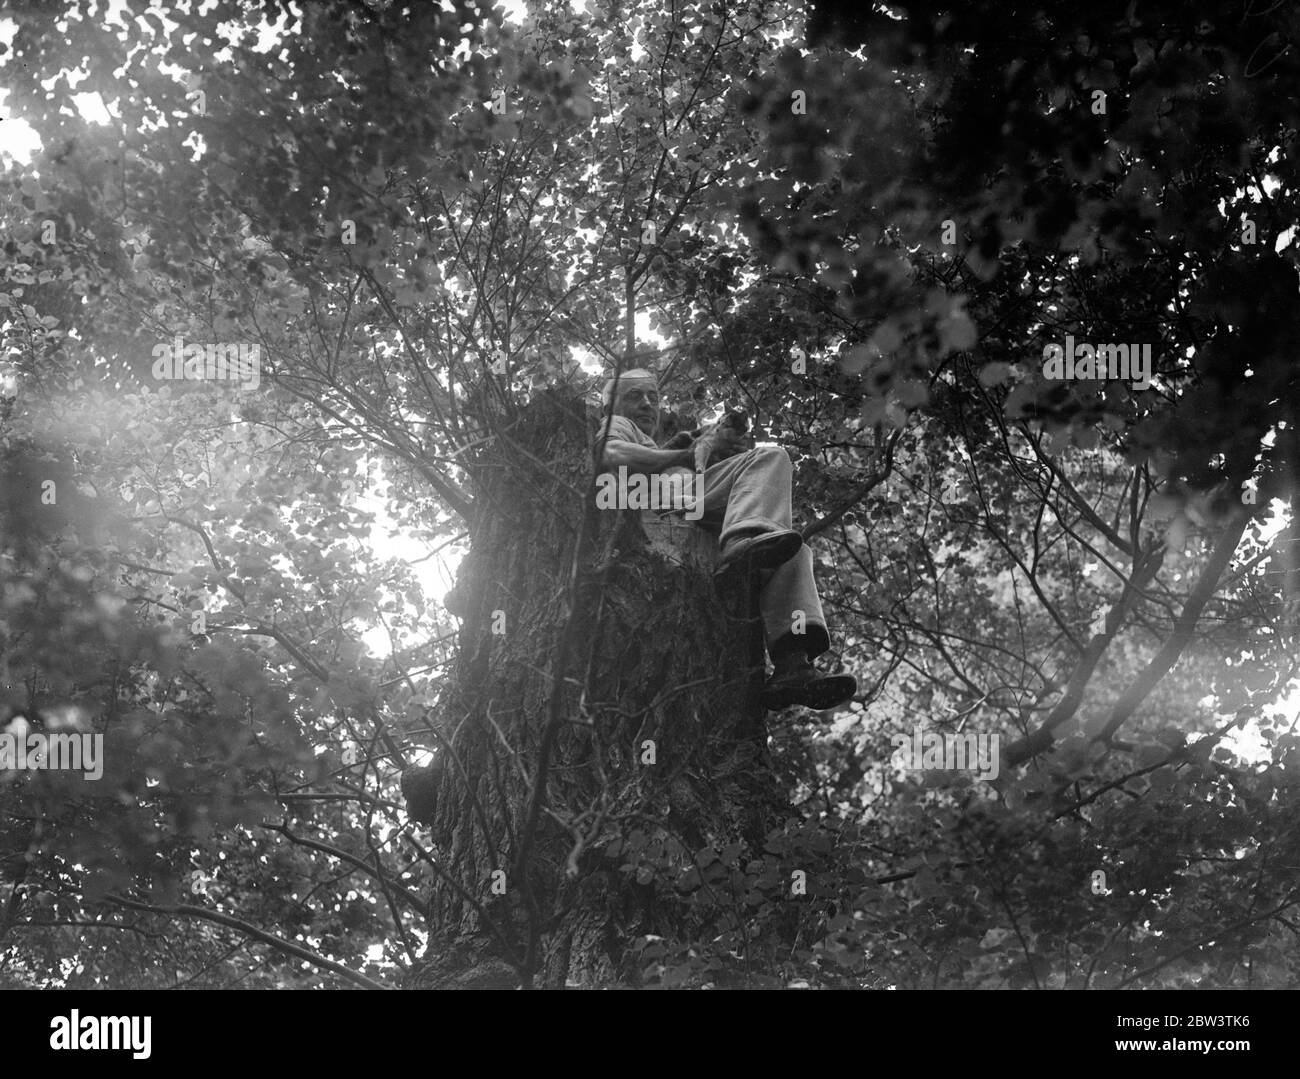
x=639, y=402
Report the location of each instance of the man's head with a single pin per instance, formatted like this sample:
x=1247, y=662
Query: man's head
x=638, y=398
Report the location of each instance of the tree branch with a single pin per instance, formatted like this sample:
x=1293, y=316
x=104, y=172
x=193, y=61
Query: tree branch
x=186, y=910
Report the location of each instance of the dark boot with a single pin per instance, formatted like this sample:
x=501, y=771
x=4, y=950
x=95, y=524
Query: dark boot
x=797, y=681
x=760, y=550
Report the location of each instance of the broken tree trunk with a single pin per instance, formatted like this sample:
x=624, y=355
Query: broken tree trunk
x=654, y=746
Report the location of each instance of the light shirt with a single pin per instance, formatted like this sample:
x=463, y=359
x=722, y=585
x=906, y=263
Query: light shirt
x=678, y=496
x=621, y=429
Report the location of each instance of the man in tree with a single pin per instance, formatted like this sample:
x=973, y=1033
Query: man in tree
x=747, y=500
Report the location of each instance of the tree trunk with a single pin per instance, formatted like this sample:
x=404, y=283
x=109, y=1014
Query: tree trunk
x=660, y=745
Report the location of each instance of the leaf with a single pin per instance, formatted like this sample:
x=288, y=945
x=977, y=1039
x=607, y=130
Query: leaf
x=957, y=333
x=858, y=358
x=994, y=374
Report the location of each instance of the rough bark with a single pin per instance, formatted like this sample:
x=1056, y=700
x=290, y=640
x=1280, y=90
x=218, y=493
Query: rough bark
x=657, y=655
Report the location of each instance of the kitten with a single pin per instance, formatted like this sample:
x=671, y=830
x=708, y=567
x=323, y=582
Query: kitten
x=706, y=447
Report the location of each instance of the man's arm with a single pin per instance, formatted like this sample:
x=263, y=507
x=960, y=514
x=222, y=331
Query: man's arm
x=642, y=458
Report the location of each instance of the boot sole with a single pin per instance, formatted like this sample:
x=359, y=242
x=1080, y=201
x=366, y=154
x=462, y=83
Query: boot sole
x=762, y=556
x=828, y=691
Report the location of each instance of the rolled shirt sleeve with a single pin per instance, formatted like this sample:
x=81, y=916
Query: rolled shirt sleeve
x=621, y=429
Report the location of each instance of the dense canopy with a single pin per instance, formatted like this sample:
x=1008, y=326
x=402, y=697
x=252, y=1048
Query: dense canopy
x=868, y=228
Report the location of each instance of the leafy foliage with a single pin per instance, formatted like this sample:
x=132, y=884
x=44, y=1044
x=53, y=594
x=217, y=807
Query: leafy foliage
x=422, y=216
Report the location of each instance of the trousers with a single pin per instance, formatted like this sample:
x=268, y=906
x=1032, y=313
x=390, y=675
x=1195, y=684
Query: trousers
x=751, y=492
